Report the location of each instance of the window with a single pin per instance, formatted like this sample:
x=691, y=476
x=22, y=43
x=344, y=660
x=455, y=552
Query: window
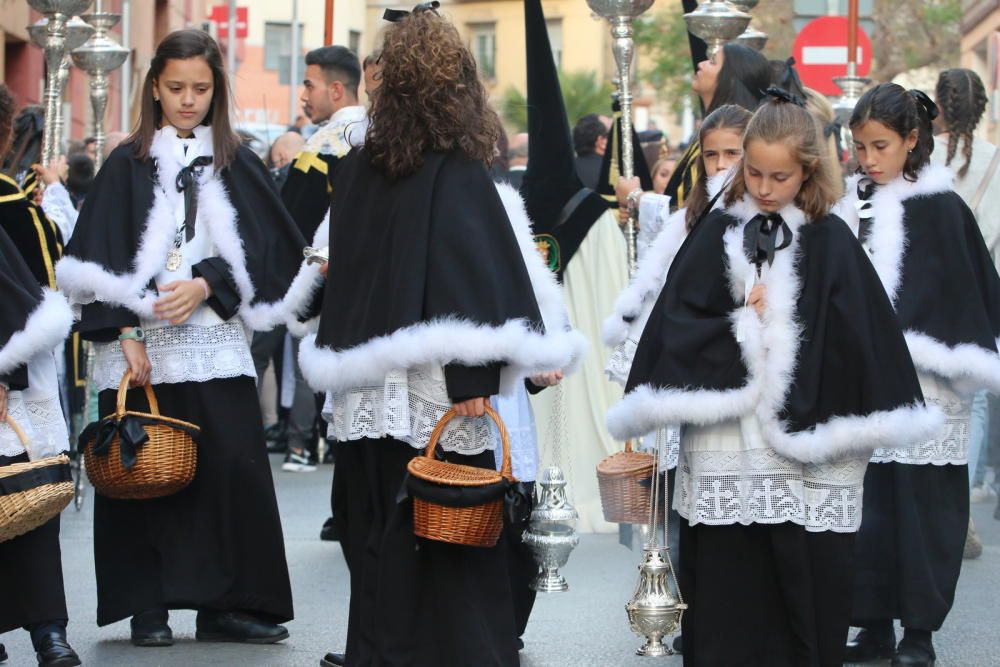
x=354, y=42
x=554, y=26
x=278, y=50
x=484, y=47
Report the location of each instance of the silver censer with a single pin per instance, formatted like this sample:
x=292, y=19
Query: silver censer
x=551, y=533
x=717, y=23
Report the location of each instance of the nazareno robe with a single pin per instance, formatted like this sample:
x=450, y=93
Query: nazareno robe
x=114, y=255
x=37, y=238
x=825, y=370
x=436, y=275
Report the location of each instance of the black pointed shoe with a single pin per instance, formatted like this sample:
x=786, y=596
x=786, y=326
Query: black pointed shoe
x=150, y=629
x=3, y=653
x=54, y=651
x=235, y=626
x=333, y=660
x=870, y=645
x=914, y=650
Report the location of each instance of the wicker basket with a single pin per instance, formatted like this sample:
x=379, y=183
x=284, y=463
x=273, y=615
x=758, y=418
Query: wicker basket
x=165, y=463
x=475, y=526
x=32, y=493
x=624, y=480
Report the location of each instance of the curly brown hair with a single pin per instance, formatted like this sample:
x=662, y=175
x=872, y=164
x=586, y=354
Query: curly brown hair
x=430, y=98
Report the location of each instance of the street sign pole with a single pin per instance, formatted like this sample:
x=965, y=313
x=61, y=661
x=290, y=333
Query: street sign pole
x=231, y=46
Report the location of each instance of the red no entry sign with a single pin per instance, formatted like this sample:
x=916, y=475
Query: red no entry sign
x=220, y=15
x=821, y=53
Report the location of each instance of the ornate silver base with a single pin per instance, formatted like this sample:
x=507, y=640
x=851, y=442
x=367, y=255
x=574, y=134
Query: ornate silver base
x=549, y=581
x=654, y=649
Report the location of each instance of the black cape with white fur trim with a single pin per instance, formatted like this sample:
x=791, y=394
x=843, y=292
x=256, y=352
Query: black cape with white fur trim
x=32, y=318
x=825, y=369
x=933, y=262
x=437, y=268
x=125, y=231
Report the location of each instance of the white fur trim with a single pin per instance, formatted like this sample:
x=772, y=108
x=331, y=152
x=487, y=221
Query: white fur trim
x=304, y=287
x=84, y=281
x=522, y=349
x=887, y=241
x=47, y=326
x=971, y=366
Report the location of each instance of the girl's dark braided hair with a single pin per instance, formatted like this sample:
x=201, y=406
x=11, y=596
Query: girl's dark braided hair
x=962, y=97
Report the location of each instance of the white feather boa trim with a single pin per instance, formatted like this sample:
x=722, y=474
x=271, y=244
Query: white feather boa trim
x=47, y=326
x=524, y=350
x=84, y=281
x=769, y=347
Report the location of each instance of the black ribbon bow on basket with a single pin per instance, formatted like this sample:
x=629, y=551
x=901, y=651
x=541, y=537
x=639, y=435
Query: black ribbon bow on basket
x=187, y=183
x=131, y=436
x=760, y=238
x=396, y=15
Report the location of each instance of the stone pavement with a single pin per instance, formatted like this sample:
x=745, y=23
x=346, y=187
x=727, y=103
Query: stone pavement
x=585, y=627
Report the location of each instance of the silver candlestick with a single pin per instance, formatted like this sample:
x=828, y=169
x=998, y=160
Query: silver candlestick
x=717, y=23
x=744, y=5
x=620, y=14
x=58, y=13
x=551, y=533
x=98, y=56
x=755, y=39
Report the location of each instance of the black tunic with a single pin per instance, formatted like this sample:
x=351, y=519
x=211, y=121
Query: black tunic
x=37, y=237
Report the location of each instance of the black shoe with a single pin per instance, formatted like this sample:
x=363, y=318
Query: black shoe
x=914, y=650
x=54, y=651
x=277, y=447
x=150, y=629
x=333, y=660
x=3, y=653
x=329, y=532
x=520, y=644
x=678, y=645
x=870, y=645
x=235, y=626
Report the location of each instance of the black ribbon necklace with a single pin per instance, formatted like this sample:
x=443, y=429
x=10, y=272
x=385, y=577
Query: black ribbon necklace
x=866, y=190
x=187, y=183
x=760, y=238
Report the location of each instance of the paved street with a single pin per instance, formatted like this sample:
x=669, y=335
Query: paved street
x=583, y=628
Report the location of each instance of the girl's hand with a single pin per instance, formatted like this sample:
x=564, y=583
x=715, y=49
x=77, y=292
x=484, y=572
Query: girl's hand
x=53, y=173
x=3, y=403
x=624, y=188
x=181, y=300
x=549, y=379
x=138, y=362
x=758, y=299
x=474, y=407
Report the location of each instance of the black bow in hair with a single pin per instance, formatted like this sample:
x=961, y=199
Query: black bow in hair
x=785, y=96
x=921, y=98
x=396, y=15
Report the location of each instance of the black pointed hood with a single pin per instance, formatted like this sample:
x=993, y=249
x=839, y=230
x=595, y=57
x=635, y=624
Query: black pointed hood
x=561, y=208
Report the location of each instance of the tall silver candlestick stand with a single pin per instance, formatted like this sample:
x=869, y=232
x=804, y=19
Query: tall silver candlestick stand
x=717, y=23
x=751, y=37
x=58, y=13
x=98, y=56
x=620, y=14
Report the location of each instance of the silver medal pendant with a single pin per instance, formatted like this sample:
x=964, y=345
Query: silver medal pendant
x=174, y=258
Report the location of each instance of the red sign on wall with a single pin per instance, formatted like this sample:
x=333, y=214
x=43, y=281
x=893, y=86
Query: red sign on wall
x=821, y=53
x=220, y=16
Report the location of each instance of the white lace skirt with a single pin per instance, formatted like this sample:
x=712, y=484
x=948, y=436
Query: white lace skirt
x=406, y=406
x=38, y=412
x=951, y=447
x=727, y=475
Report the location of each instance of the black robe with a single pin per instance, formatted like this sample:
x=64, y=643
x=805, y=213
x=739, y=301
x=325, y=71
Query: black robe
x=306, y=191
x=826, y=370
x=437, y=274
x=259, y=245
x=37, y=237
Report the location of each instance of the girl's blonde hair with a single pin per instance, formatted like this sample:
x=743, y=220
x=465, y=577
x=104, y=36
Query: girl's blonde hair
x=822, y=110
x=779, y=121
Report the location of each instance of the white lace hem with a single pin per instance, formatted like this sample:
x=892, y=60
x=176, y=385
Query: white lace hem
x=951, y=447
x=41, y=418
x=407, y=407
x=185, y=353
x=735, y=484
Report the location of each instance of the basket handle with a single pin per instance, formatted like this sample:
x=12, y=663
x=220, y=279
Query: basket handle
x=628, y=446
x=154, y=406
x=505, y=467
x=21, y=435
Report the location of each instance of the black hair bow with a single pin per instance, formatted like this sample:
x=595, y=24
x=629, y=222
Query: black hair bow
x=396, y=15
x=187, y=182
x=921, y=98
x=760, y=238
x=785, y=96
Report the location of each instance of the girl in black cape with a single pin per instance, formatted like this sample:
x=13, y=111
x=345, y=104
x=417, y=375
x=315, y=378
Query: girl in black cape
x=435, y=297
x=183, y=245
x=774, y=348
x=933, y=263
x=34, y=320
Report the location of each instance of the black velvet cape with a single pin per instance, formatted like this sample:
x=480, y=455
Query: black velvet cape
x=825, y=370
